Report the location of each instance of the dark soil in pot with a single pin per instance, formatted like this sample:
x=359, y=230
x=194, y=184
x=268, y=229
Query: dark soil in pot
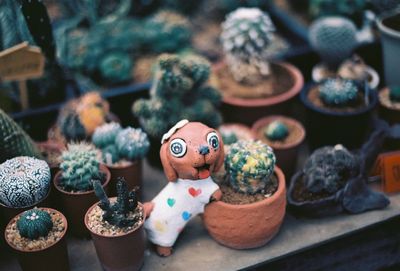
x=132, y=173
x=392, y=22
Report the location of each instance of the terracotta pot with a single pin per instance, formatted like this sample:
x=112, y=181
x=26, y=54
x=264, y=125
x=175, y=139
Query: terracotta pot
x=389, y=114
x=132, y=174
x=54, y=257
x=286, y=155
x=247, y=111
x=120, y=252
x=74, y=205
x=52, y=146
x=248, y=225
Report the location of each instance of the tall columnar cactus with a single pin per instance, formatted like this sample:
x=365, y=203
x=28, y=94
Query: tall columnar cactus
x=320, y=8
x=14, y=141
x=179, y=91
x=334, y=39
x=394, y=94
x=249, y=165
x=247, y=35
x=338, y=92
x=132, y=143
x=276, y=130
x=34, y=223
x=119, y=213
x=80, y=165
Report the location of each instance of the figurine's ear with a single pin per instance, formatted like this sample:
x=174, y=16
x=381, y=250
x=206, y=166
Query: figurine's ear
x=168, y=169
x=220, y=160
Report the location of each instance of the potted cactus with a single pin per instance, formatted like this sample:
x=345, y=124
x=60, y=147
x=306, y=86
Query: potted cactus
x=253, y=190
x=116, y=227
x=37, y=236
x=251, y=86
x=79, y=167
x=334, y=39
x=122, y=152
x=285, y=136
x=24, y=183
x=389, y=100
x=338, y=112
x=233, y=132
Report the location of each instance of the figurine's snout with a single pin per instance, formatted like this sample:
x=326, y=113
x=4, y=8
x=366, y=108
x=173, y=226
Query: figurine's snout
x=203, y=150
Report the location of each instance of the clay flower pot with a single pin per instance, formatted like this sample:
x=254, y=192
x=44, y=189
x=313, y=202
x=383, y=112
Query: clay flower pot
x=119, y=252
x=132, y=173
x=75, y=204
x=248, y=110
x=387, y=110
x=53, y=257
x=286, y=151
x=248, y=225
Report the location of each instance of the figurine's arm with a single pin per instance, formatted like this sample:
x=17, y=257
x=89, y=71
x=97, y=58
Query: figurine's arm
x=216, y=196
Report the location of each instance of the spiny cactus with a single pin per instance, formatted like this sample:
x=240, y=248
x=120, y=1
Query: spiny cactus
x=334, y=39
x=179, y=91
x=116, y=67
x=132, y=143
x=118, y=213
x=338, y=92
x=24, y=181
x=34, y=223
x=249, y=165
x=394, y=93
x=320, y=8
x=229, y=137
x=105, y=134
x=14, y=141
x=80, y=165
x=247, y=35
x=276, y=130
x=328, y=168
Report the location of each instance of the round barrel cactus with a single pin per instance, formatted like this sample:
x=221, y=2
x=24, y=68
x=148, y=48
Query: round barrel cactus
x=132, y=143
x=249, y=165
x=24, y=181
x=34, y=223
x=276, y=130
x=338, y=92
x=105, y=134
x=116, y=67
x=394, y=94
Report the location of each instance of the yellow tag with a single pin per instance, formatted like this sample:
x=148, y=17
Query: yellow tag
x=21, y=62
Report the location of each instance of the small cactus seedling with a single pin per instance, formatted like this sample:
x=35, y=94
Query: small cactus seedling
x=276, y=130
x=105, y=135
x=229, y=137
x=132, y=143
x=34, y=223
x=249, y=165
x=338, y=92
x=118, y=213
x=394, y=94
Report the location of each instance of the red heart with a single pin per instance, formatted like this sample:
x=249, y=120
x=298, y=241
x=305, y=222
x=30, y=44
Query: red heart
x=194, y=192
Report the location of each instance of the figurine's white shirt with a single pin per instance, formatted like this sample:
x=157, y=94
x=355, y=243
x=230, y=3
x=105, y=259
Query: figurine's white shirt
x=174, y=206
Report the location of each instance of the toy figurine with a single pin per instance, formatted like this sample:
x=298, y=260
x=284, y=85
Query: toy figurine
x=190, y=151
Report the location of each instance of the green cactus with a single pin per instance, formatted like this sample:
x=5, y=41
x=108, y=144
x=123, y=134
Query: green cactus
x=14, y=141
x=116, y=67
x=34, y=223
x=179, y=91
x=119, y=213
x=229, y=137
x=105, y=135
x=351, y=9
x=132, y=143
x=249, y=165
x=338, y=92
x=110, y=154
x=80, y=165
x=276, y=130
x=334, y=39
x=394, y=94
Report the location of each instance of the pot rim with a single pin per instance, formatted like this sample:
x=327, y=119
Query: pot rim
x=233, y=125
x=30, y=206
x=384, y=105
x=385, y=29
x=65, y=222
x=268, y=101
x=113, y=236
x=281, y=190
x=103, y=168
x=307, y=103
x=266, y=120
x=131, y=164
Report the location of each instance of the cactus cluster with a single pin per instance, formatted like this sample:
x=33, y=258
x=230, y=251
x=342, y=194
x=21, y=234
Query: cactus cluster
x=117, y=143
x=34, y=223
x=276, y=130
x=24, y=181
x=338, y=92
x=249, y=165
x=328, y=168
x=394, y=93
x=350, y=9
x=14, y=141
x=334, y=39
x=247, y=38
x=80, y=165
x=179, y=91
x=118, y=213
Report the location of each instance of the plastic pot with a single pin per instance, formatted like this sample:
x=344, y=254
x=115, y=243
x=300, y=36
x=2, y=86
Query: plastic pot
x=75, y=205
x=248, y=225
x=132, y=174
x=119, y=252
x=54, y=257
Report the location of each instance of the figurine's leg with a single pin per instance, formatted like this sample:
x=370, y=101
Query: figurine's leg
x=164, y=251
x=148, y=208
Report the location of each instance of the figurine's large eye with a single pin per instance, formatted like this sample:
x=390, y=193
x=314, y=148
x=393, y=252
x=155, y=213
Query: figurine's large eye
x=178, y=147
x=213, y=141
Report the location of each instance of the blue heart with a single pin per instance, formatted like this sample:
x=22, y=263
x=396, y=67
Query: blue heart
x=186, y=215
x=171, y=202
